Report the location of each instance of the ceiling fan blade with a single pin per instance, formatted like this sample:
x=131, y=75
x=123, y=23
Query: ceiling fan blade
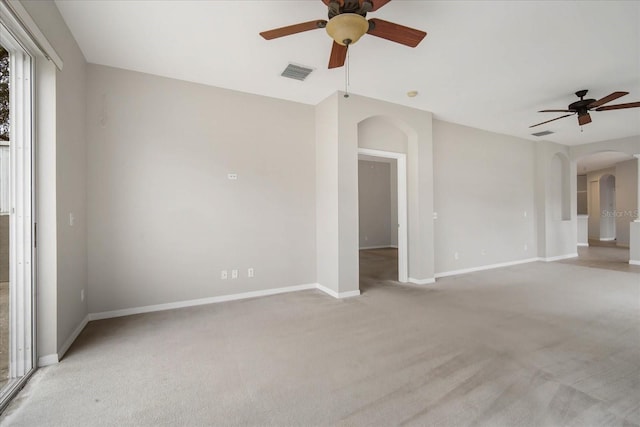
x=293, y=29
x=557, y=118
x=555, y=111
x=341, y=2
x=377, y=4
x=584, y=119
x=608, y=98
x=619, y=106
x=338, y=55
x=395, y=32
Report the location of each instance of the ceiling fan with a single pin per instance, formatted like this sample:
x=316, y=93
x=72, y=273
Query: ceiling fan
x=347, y=23
x=583, y=106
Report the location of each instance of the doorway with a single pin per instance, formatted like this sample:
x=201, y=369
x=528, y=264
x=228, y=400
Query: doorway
x=606, y=201
x=389, y=225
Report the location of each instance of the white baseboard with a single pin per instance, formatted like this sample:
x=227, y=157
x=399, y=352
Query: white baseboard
x=366, y=248
x=196, y=302
x=634, y=262
x=485, y=267
x=46, y=360
x=559, y=257
x=335, y=294
x=421, y=281
x=52, y=359
x=583, y=244
x=62, y=350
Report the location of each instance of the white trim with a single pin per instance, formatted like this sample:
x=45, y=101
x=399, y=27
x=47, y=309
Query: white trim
x=72, y=337
x=196, y=302
x=366, y=248
x=421, y=281
x=403, y=237
x=52, y=359
x=583, y=244
x=485, y=267
x=559, y=257
x=46, y=360
x=607, y=239
x=39, y=39
x=338, y=295
x=634, y=262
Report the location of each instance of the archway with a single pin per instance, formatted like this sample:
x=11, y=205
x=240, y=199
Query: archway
x=606, y=194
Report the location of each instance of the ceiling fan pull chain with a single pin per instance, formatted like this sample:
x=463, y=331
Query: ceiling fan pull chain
x=346, y=75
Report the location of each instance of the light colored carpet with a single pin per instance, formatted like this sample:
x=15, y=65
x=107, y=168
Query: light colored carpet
x=540, y=344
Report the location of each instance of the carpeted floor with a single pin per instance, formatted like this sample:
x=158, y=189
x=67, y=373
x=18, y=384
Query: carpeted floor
x=539, y=344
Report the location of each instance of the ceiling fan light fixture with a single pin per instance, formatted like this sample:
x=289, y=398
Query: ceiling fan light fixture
x=347, y=28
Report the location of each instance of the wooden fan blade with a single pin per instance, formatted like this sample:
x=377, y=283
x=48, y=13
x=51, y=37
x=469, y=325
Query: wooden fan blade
x=555, y=111
x=377, y=4
x=584, y=119
x=338, y=55
x=557, y=118
x=341, y=2
x=608, y=98
x=293, y=29
x=395, y=32
x=619, y=106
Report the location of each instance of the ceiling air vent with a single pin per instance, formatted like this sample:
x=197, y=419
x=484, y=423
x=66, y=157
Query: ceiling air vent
x=296, y=72
x=543, y=133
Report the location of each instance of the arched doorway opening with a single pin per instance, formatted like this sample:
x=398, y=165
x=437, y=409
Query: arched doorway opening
x=605, y=201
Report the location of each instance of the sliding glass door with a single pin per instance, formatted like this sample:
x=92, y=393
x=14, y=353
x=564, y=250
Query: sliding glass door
x=17, y=225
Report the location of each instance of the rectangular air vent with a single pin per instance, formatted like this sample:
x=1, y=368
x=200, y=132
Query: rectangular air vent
x=543, y=133
x=296, y=72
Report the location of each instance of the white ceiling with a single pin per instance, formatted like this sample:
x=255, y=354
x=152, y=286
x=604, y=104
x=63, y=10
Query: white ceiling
x=485, y=64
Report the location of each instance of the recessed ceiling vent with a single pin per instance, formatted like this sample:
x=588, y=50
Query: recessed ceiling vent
x=543, y=133
x=296, y=72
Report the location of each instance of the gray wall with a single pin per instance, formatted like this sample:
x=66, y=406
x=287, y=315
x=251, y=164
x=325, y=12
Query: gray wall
x=164, y=220
x=626, y=198
x=71, y=171
x=484, y=186
x=374, y=204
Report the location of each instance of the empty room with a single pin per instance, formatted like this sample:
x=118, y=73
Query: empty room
x=319, y=213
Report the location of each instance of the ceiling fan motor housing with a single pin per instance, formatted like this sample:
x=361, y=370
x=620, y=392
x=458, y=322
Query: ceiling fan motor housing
x=350, y=6
x=582, y=106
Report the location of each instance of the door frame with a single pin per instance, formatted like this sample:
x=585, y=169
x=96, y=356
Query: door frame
x=403, y=237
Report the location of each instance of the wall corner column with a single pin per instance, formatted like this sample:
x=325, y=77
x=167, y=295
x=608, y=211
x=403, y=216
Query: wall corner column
x=634, y=227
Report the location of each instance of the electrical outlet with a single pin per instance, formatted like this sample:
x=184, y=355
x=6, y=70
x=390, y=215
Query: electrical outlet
x=456, y=255
x=72, y=219
x=223, y=275
x=81, y=294
x=526, y=247
x=234, y=274
x=250, y=272
x=232, y=176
